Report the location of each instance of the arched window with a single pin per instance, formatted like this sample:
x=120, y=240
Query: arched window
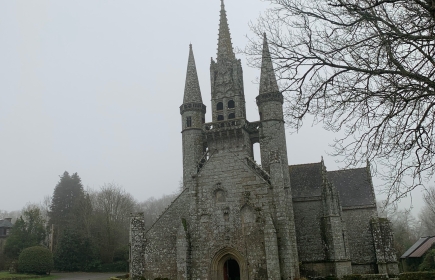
x=220, y=106
x=231, y=104
x=220, y=117
x=231, y=116
x=261, y=116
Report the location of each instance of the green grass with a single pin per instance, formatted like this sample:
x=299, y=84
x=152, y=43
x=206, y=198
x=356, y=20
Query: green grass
x=7, y=275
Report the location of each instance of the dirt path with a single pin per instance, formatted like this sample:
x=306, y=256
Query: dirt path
x=86, y=276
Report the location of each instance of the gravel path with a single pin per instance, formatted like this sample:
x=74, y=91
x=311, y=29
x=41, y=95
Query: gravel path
x=86, y=276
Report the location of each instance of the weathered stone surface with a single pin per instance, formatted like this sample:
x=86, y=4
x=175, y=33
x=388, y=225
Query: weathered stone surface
x=249, y=221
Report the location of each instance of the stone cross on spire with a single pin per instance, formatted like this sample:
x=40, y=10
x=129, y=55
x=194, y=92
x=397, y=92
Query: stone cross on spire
x=192, y=91
x=225, y=47
x=268, y=82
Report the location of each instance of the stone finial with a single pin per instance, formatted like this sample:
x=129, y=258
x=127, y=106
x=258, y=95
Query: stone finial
x=225, y=47
x=192, y=91
x=268, y=82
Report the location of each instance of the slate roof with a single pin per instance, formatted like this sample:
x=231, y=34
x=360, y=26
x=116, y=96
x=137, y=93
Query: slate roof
x=306, y=180
x=419, y=248
x=5, y=224
x=354, y=187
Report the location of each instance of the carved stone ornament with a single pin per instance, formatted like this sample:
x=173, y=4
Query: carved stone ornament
x=193, y=107
x=276, y=96
x=274, y=157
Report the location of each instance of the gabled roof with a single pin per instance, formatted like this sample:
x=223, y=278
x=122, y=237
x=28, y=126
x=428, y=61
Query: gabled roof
x=306, y=180
x=354, y=186
x=5, y=224
x=419, y=248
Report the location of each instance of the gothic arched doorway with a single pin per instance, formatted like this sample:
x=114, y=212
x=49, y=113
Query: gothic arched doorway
x=231, y=270
x=228, y=264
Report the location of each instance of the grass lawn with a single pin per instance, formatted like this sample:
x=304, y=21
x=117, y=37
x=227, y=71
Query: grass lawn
x=7, y=275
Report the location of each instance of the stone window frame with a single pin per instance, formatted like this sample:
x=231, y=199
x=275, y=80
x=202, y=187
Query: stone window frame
x=189, y=121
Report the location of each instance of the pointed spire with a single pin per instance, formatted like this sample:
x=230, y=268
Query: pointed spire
x=268, y=82
x=192, y=91
x=225, y=47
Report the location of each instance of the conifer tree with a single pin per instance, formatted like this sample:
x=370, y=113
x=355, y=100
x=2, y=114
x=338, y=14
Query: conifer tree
x=67, y=196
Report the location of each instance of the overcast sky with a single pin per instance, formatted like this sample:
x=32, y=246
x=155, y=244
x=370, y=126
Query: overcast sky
x=94, y=87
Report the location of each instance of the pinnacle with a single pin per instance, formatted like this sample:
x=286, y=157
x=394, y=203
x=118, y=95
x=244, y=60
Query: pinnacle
x=225, y=47
x=268, y=82
x=192, y=91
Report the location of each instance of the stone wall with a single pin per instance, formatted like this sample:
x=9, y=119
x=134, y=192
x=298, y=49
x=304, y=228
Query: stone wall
x=233, y=202
x=362, y=250
x=161, y=240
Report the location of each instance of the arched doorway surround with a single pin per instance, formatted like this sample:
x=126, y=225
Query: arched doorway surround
x=222, y=257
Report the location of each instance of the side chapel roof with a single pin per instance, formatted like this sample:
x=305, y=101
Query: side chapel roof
x=354, y=186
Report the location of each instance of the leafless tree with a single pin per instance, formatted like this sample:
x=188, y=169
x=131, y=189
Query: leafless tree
x=364, y=68
x=112, y=206
x=153, y=208
x=427, y=214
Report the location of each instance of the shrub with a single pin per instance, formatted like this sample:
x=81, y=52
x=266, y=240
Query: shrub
x=428, y=261
x=37, y=259
x=417, y=276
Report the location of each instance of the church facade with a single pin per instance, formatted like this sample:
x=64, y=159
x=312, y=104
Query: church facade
x=236, y=219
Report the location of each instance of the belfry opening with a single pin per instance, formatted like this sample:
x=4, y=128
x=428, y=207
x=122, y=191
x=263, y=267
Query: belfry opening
x=231, y=270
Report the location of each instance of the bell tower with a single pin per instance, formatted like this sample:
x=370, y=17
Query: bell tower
x=227, y=93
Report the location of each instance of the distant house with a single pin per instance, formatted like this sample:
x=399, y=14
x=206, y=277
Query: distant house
x=414, y=256
x=5, y=228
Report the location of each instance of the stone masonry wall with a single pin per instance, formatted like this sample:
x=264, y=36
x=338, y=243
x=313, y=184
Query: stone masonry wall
x=362, y=250
x=232, y=204
x=308, y=230
x=161, y=240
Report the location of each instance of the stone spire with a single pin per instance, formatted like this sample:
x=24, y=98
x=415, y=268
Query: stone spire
x=192, y=91
x=268, y=82
x=225, y=47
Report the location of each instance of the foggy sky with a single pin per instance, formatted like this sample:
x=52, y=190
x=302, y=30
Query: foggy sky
x=94, y=87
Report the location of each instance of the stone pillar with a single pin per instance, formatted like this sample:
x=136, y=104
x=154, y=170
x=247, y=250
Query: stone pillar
x=285, y=225
x=384, y=249
x=271, y=246
x=137, y=245
x=183, y=252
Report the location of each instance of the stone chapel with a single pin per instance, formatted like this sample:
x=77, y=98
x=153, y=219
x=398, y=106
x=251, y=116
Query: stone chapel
x=236, y=219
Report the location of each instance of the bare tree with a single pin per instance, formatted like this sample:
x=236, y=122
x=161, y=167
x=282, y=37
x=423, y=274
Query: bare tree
x=427, y=213
x=153, y=208
x=112, y=206
x=365, y=68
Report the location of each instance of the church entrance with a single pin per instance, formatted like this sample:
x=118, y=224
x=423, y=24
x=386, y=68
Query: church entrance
x=231, y=270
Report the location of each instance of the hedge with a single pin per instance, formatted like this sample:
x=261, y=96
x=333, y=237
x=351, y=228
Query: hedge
x=366, y=277
x=423, y=275
x=37, y=259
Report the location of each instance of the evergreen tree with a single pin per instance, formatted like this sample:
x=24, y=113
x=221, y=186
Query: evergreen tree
x=28, y=231
x=75, y=252
x=67, y=197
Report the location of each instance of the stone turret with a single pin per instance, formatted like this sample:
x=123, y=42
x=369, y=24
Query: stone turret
x=228, y=99
x=192, y=118
x=274, y=160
